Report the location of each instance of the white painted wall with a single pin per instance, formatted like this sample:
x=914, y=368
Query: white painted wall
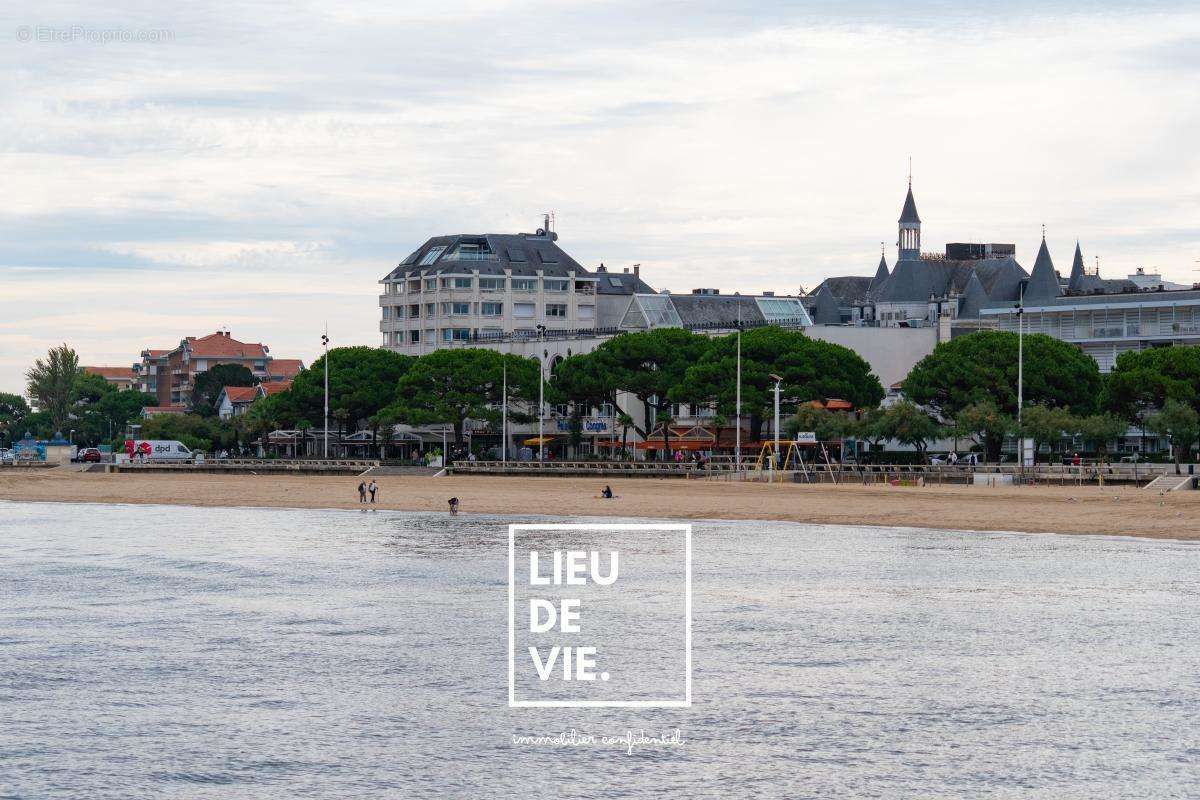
x=891, y=352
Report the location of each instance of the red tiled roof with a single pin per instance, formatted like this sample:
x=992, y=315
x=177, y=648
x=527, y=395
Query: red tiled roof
x=218, y=344
x=150, y=411
x=155, y=353
x=274, y=387
x=241, y=394
x=110, y=372
x=284, y=367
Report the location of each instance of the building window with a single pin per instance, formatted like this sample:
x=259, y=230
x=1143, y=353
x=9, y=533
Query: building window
x=431, y=284
x=587, y=313
x=491, y=284
x=431, y=257
x=493, y=309
x=414, y=311
x=457, y=283
x=387, y=313
x=523, y=310
x=524, y=284
x=456, y=334
x=556, y=310
x=430, y=310
x=554, y=285
x=414, y=337
x=414, y=287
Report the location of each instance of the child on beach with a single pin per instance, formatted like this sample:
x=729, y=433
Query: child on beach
x=453, y=506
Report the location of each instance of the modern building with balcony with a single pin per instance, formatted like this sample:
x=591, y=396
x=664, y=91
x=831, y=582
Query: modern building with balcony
x=465, y=287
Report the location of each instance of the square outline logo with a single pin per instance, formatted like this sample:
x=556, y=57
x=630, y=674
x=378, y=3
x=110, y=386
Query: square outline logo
x=686, y=702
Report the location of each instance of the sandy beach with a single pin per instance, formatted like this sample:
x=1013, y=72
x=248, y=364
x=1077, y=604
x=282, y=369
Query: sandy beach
x=1043, y=509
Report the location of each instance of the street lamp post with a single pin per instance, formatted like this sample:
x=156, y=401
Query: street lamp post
x=775, y=440
x=541, y=329
x=325, y=345
x=737, y=405
x=504, y=408
x=1021, y=376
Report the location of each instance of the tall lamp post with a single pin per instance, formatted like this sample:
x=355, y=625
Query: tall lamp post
x=775, y=440
x=541, y=329
x=325, y=345
x=737, y=405
x=1021, y=376
x=504, y=408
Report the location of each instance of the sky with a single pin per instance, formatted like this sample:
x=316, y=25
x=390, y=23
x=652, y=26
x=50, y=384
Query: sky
x=174, y=168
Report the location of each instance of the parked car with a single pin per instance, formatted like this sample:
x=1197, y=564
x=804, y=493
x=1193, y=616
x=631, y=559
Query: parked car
x=89, y=455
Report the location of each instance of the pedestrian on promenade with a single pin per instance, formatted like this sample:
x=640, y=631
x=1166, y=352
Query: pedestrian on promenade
x=374, y=487
x=453, y=506
x=362, y=491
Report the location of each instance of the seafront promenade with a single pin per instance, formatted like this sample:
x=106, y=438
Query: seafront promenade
x=1087, y=509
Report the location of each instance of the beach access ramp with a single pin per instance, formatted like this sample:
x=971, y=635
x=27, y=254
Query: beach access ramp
x=1172, y=483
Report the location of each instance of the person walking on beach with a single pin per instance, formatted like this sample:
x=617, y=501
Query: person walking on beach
x=362, y=491
x=453, y=506
x=373, y=488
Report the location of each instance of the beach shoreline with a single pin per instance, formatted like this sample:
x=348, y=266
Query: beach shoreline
x=1114, y=511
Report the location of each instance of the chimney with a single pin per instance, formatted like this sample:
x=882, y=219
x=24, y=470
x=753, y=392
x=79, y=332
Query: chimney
x=626, y=270
x=637, y=269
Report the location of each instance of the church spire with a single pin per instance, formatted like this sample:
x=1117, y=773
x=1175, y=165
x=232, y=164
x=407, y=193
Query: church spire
x=910, y=227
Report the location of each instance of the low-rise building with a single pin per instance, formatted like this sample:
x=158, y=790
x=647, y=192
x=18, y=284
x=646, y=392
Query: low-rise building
x=120, y=377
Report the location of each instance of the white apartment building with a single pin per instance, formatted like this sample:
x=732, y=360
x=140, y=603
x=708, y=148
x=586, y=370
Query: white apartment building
x=467, y=288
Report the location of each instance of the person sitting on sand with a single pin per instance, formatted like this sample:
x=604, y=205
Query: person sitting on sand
x=453, y=506
x=606, y=493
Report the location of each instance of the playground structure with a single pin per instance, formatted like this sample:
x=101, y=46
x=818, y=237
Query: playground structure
x=791, y=459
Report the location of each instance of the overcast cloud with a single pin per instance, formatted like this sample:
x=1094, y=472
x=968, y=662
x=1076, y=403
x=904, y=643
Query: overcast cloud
x=264, y=164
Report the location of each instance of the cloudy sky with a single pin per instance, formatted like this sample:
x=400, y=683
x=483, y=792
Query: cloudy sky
x=261, y=165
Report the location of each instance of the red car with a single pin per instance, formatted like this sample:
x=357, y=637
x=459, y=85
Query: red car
x=89, y=454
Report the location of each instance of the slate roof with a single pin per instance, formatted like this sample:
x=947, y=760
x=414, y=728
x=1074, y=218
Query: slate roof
x=1083, y=283
x=827, y=310
x=1078, y=275
x=915, y=280
x=1043, y=281
x=521, y=254
x=881, y=275
x=909, y=212
x=850, y=290
x=716, y=310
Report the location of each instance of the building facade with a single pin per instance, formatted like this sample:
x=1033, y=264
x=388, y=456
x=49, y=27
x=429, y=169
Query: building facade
x=170, y=374
x=120, y=377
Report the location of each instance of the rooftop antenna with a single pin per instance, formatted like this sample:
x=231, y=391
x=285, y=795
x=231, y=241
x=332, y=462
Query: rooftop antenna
x=1097, y=265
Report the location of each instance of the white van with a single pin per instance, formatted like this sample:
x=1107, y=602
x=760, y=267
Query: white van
x=157, y=450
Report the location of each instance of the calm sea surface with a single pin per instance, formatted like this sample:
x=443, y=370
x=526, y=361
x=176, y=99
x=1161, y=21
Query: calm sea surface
x=229, y=653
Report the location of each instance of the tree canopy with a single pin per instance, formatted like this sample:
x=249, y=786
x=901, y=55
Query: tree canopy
x=206, y=392
x=362, y=382
x=981, y=367
x=51, y=384
x=1143, y=380
x=13, y=411
x=811, y=370
x=452, y=386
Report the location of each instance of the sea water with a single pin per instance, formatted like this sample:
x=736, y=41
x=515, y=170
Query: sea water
x=151, y=651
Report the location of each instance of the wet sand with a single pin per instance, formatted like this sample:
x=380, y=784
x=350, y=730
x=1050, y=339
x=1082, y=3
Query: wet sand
x=1042, y=509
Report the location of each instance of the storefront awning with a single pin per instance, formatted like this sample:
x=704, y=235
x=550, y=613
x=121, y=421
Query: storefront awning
x=538, y=440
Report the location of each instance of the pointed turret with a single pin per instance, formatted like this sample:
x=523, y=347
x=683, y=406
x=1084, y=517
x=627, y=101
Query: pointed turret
x=1078, y=276
x=910, y=228
x=974, y=298
x=1043, y=281
x=881, y=274
x=827, y=310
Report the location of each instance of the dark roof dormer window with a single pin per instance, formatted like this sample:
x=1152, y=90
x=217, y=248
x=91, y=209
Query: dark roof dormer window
x=431, y=255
